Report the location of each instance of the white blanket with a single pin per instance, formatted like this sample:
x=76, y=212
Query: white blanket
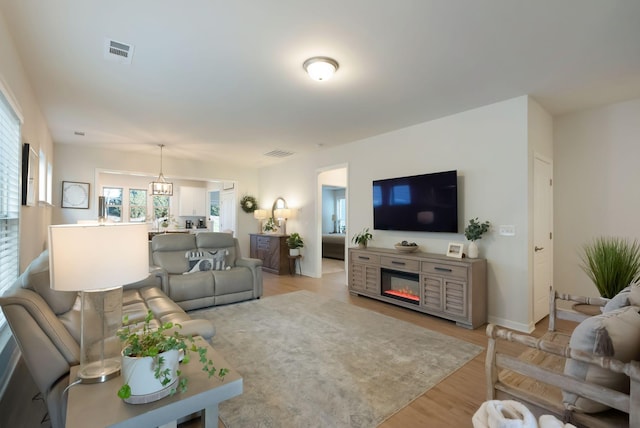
x=512, y=414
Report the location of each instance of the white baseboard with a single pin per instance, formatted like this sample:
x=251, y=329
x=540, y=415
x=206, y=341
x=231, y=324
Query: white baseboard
x=524, y=328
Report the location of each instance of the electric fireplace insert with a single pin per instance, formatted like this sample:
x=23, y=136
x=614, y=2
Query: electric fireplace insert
x=403, y=286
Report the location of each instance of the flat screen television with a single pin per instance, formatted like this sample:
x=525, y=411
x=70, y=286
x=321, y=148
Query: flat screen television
x=420, y=203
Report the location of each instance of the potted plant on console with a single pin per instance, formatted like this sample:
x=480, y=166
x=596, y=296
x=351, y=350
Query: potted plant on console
x=294, y=242
x=270, y=226
x=473, y=232
x=362, y=238
x=150, y=358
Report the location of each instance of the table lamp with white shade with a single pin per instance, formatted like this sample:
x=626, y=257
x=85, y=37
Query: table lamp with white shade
x=282, y=214
x=97, y=260
x=260, y=215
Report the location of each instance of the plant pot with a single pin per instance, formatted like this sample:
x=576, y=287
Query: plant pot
x=362, y=245
x=294, y=251
x=473, y=250
x=138, y=372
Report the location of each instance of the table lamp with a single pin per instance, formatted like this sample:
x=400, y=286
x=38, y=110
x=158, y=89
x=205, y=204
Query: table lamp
x=97, y=260
x=282, y=214
x=260, y=215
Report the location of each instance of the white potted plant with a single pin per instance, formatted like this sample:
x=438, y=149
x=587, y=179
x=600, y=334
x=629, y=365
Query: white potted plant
x=270, y=226
x=473, y=232
x=362, y=238
x=150, y=361
x=294, y=242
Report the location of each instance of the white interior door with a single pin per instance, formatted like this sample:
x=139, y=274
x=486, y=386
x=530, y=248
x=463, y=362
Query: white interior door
x=542, y=236
x=228, y=211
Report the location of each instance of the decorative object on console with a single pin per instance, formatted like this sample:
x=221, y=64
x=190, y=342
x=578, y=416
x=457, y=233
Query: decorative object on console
x=473, y=232
x=454, y=249
x=270, y=226
x=320, y=68
x=406, y=247
x=260, y=215
x=161, y=187
x=248, y=204
x=362, y=238
x=150, y=360
x=294, y=242
x=97, y=260
x=611, y=263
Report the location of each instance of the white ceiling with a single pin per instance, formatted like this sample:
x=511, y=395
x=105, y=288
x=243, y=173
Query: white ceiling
x=224, y=79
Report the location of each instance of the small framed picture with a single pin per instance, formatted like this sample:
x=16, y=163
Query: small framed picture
x=75, y=195
x=455, y=249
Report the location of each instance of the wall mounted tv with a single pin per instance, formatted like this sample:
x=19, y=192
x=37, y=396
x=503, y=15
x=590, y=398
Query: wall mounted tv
x=420, y=203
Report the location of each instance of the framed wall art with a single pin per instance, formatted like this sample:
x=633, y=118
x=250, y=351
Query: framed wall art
x=455, y=249
x=28, y=177
x=75, y=195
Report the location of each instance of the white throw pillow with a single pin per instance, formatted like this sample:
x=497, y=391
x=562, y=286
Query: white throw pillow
x=613, y=334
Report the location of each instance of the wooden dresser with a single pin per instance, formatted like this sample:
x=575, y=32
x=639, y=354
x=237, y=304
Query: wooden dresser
x=272, y=250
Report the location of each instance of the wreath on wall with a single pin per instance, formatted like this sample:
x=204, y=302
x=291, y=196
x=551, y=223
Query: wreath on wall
x=248, y=204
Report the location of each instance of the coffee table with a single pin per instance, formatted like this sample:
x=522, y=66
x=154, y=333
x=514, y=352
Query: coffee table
x=98, y=405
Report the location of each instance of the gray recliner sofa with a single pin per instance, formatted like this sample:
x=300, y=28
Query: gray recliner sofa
x=46, y=326
x=237, y=279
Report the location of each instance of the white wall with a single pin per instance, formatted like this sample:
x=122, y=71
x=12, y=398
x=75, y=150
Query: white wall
x=77, y=163
x=489, y=148
x=33, y=220
x=597, y=185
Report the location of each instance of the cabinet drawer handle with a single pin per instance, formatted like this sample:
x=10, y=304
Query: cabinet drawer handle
x=442, y=269
x=363, y=258
x=393, y=262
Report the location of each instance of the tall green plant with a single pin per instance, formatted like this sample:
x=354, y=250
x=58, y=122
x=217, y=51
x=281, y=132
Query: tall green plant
x=611, y=263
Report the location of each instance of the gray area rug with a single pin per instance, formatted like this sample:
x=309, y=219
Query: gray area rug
x=309, y=361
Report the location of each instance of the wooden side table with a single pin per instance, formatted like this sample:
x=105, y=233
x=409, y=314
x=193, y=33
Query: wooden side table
x=98, y=405
x=293, y=260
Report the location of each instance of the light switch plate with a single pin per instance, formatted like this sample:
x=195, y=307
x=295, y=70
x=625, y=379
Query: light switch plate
x=507, y=230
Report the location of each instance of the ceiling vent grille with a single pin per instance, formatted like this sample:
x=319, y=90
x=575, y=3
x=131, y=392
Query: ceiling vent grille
x=277, y=153
x=118, y=51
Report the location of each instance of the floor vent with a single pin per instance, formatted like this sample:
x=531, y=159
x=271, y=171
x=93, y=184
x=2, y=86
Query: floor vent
x=117, y=51
x=277, y=153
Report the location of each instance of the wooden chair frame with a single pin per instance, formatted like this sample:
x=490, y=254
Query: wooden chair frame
x=628, y=404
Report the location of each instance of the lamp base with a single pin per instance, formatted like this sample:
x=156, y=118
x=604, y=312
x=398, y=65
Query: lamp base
x=99, y=371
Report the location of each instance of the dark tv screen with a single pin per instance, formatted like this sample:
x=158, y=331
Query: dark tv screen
x=420, y=203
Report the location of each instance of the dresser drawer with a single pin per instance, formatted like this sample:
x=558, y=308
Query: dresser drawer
x=444, y=269
x=400, y=263
x=365, y=257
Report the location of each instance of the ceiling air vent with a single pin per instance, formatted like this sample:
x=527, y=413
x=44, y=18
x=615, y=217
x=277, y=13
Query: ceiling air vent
x=118, y=51
x=277, y=153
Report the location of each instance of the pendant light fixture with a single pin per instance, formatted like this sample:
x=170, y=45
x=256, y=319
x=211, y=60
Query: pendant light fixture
x=161, y=187
x=320, y=67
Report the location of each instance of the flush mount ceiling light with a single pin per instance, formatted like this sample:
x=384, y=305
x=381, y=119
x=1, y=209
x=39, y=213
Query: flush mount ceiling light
x=161, y=186
x=320, y=67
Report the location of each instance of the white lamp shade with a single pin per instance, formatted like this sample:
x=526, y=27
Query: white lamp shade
x=282, y=213
x=86, y=257
x=260, y=214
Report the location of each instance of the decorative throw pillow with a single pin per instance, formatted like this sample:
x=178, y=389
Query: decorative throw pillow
x=201, y=265
x=618, y=301
x=207, y=260
x=634, y=295
x=613, y=334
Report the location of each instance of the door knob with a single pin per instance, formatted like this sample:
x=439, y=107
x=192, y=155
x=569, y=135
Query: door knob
x=536, y=248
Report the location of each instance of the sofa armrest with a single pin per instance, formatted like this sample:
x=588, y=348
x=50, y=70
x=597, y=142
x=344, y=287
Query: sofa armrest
x=556, y=312
x=247, y=262
x=255, y=266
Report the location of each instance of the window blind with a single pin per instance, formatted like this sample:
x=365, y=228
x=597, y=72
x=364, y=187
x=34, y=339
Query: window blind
x=9, y=197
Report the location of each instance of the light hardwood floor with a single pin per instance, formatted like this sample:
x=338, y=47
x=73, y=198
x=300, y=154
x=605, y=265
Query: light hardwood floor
x=451, y=403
